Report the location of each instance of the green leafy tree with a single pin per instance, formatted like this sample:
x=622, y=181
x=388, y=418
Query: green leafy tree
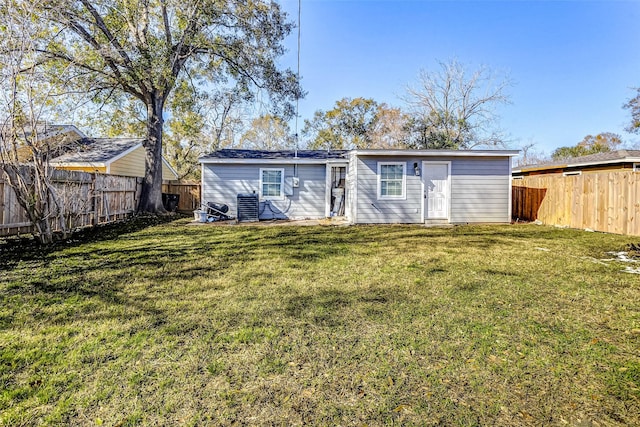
x=183, y=144
x=343, y=127
x=390, y=128
x=356, y=123
x=26, y=145
x=633, y=105
x=601, y=143
x=268, y=132
x=123, y=50
x=453, y=109
x=122, y=117
x=200, y=123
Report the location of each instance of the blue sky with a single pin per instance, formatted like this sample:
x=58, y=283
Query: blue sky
x=573, y=63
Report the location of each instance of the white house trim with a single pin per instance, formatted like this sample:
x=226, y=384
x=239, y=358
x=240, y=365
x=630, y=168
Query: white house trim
x=287, y=161
x=281, y=196
x=79, y=164
x=328, y=183
x=510, y=209
x=403, y=196
x=327, y=186
x=575, y=165
x=438, y=153
x=425, y=166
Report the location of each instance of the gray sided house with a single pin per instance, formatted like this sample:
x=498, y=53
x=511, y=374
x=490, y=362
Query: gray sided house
x=365, y=186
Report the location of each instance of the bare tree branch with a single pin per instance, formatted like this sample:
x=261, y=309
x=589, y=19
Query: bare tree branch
x=451, y=110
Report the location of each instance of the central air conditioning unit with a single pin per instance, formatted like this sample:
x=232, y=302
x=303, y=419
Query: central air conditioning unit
x=248, y=207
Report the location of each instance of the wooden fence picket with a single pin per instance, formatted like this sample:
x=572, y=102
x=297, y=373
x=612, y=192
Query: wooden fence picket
x=89, y=199
x=600, y=201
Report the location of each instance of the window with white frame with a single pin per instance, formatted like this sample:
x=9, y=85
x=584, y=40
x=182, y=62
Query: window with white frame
x=391, y=180
x=271, y=183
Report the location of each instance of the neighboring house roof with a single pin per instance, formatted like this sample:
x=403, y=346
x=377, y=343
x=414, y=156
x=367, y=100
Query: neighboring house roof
x=53, y=138
x=100, y=152
x=97, y=151
x=324, y=156
x=46, y=131
x=610, y=157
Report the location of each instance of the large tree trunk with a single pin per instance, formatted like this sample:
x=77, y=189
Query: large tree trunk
x=151, y=194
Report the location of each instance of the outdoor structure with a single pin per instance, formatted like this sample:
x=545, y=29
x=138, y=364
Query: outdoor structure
x=620, y=160
x=365, y=186
x=71, y=149
x=599, y=192
x=112, y=156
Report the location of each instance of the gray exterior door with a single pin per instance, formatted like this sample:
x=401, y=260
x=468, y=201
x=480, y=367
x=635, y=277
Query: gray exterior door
x=437, y=194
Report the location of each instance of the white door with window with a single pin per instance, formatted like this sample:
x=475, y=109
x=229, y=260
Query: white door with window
x=436, y=184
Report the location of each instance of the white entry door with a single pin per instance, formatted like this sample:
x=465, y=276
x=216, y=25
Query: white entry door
x=435, y=179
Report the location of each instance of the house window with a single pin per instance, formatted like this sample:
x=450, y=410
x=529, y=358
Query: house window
x=271, y=183
x=391, y=180
x=572, y=173
x=636, y=167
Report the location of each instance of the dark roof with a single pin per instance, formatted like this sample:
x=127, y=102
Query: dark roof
x=46, y=131
x=592, y=159
x=96, y=150
x=277, y=154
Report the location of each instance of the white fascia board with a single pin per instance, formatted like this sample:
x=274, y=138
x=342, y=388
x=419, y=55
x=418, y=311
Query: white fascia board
x=439, y=153
x=576, y=165
x=271, y=161
x=79, y=164
x=166, y=163
x=62, y=130
x=72, y=128
x=605, y=162
x=124, y=153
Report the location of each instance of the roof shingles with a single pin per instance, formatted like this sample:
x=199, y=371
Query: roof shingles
x=277, y=154
x=607, y=157
x=96, y=150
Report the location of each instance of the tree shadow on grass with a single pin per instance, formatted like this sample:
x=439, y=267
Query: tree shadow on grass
x=27, y=248
x=172, y=256
x=326, y=307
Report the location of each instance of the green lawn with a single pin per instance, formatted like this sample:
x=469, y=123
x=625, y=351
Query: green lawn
x=366, y=325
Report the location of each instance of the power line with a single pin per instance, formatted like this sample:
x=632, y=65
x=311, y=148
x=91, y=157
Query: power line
x=298, y=94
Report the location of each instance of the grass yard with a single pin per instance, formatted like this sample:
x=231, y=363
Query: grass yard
x=364, y=325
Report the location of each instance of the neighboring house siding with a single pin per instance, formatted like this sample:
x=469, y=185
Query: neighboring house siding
x=480, y=190
x=370, y=210
x=133, y=164
x=223, y=183
x=167, y=174
x=130, y=165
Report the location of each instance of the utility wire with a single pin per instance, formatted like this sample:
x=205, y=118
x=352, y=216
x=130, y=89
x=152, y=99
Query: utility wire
x=298, y=96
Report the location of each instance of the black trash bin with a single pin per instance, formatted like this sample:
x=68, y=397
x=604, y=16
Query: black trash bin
x=170, y=201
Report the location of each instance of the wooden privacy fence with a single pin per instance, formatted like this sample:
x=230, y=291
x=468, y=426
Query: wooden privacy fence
x=189, y=194
x=600, y=201
x=88, y=199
